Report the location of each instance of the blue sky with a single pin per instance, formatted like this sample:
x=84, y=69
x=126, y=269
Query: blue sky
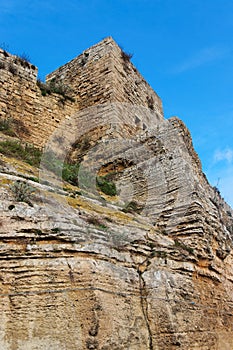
x=184, y=49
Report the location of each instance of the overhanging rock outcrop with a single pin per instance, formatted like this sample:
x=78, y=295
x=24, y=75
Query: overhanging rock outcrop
x=149, y=268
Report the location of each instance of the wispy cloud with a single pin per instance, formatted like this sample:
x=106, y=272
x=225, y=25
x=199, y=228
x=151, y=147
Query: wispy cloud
x=200, y=58
x=224, y=155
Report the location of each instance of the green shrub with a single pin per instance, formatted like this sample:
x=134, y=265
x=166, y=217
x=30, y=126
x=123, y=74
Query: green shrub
x=57, y=88
x=93, y=220
x=132, y=207
x=27, y=153
x=32, y=178
x=6, y=126
x=43, y=88
x=68, y=170
x=12, y=127
x=32, y=155
x=52, y=163
x=70, y=173
x=107, y=187
x=22, y=191
x=55, y=229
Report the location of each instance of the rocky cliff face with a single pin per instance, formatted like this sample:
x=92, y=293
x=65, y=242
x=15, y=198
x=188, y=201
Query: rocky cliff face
x=149, y=267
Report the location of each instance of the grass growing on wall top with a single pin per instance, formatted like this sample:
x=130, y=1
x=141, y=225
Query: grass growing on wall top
x=16, y=149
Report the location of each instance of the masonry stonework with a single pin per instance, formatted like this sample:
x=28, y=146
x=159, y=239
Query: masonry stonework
x=104, y=73
x=21, y=99
x=101, y=74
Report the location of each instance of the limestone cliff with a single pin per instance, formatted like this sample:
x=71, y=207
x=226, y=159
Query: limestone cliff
x=146, y=268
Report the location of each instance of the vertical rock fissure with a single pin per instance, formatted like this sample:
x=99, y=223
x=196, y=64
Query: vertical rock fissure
x=144, y=306
x=71, y=273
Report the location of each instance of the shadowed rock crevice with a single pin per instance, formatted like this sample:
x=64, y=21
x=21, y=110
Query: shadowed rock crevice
x=144, y=307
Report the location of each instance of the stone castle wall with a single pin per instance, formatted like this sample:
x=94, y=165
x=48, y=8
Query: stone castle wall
x=101, y=74
x=21, y=99
x=104, y=73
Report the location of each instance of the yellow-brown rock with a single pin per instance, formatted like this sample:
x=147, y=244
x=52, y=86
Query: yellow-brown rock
x=147, y=269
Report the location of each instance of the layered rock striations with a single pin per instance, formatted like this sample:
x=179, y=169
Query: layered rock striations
x=149, y=267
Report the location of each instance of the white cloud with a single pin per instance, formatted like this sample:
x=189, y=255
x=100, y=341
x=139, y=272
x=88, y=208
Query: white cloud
x=224, y=155
x=202, y=57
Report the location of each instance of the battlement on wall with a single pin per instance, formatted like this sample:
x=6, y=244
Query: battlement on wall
x=22, y=103
x=15, y=65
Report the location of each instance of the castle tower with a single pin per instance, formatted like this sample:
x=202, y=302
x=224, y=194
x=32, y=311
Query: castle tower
x=103, y=73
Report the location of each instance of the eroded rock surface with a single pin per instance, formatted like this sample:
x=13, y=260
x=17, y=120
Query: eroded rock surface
x=77, y=272
x=149, y=268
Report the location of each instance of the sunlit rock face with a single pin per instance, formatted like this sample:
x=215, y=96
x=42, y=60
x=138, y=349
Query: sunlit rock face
x=146, y=267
